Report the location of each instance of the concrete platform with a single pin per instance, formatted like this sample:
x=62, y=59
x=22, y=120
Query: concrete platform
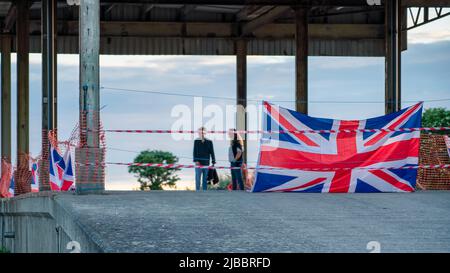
x=219, y=221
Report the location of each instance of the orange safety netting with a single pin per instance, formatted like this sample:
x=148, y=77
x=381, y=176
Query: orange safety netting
x=26, y=174
x=90, y=157
x=5, y=178
x=433, y=150
x=21, y=172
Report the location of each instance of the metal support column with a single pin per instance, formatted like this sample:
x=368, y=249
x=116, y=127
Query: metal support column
x=393, y=39
x=90, y=178
x=6, y=100
x=22, y=177
x=49, y=110
x=301, y=59
x=241, y=90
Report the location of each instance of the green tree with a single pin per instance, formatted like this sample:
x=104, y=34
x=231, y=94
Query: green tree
x=152, y=178
x=436, y=117
x=3, y=250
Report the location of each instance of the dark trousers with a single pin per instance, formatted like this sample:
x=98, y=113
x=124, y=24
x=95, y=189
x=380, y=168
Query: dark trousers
x=236, y=176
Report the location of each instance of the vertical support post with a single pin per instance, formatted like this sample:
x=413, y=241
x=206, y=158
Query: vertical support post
x=426, y=14
x=22, y=177
x=6, y=100
x=400, y=21
x=49, y=110
x=393, y=46
x=301, y=59
x=241, y=90
x=54, y=45
x=90, y=177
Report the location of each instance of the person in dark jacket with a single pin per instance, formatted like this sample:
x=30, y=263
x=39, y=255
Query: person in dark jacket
x=203, y=152
x=235, y=156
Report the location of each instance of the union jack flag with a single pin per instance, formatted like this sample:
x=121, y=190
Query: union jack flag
x=34, y=176
x=56, y=171
x=67, y=177
x=61, y=170
x=11, y=187
x=447, y=142
x=348, y=160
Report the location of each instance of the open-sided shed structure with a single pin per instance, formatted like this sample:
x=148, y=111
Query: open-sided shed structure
x=196, y=27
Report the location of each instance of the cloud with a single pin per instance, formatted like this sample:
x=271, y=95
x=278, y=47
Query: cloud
x=165, y=64
x=339, y=63
x=216, y=61
x=425, y=37
x=430, y=57
x=266, y=96
x=432, y=32
x=259, y=60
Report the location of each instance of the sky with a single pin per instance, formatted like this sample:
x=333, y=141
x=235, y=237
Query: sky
x=337, y=80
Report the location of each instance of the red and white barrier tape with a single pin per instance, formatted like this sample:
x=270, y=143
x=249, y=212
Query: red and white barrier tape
x=281, y=131
x=183, y=166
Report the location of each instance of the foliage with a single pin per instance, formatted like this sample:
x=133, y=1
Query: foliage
x=224, y=181
x=3, y=250
x=155, y=178
x=436, y=117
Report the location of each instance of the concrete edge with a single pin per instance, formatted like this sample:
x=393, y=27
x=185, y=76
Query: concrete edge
x=46, y=204
x=89, y=232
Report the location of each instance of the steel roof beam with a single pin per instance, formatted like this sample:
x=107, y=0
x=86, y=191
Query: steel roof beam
x=264, y=19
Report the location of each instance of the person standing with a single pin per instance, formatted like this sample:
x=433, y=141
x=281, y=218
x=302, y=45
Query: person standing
x=203, y=152
x=235, y=156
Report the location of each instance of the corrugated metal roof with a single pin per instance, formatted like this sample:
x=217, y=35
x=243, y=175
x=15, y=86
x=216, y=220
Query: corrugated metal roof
x=215, y=46
x=67, y=43
x=214, y=13
x=4, y=8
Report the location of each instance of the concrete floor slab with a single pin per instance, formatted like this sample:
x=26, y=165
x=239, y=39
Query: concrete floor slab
x=221, y=221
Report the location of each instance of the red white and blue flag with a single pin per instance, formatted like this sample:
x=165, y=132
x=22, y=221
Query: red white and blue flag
x=56, y=171
x=61, y=170
x=11, y=187
x=447, y=142
x=34, y=176
x=341, y=162
x=67, y=177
